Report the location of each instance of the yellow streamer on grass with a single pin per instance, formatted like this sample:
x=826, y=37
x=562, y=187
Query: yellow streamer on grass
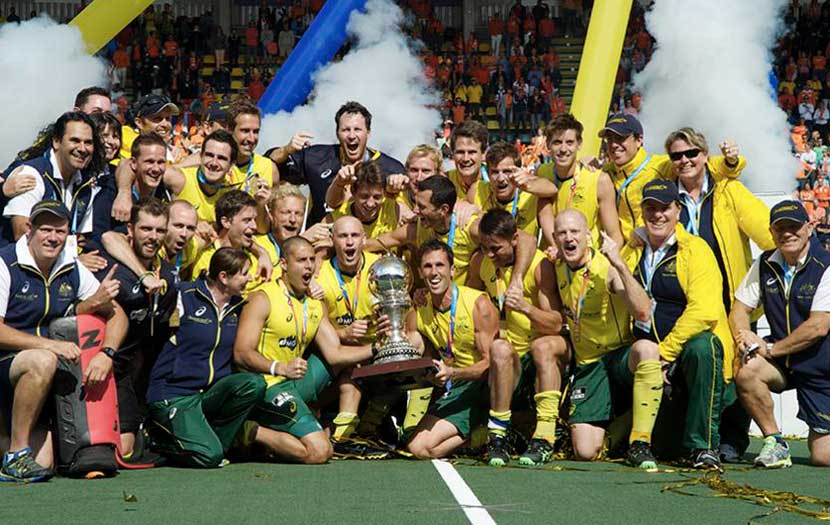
x=101, y=20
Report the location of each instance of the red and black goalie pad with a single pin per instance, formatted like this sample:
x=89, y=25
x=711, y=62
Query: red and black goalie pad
x=87, y=428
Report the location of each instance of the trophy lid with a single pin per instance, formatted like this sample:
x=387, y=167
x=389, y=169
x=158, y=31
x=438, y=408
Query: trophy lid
x=389, y=273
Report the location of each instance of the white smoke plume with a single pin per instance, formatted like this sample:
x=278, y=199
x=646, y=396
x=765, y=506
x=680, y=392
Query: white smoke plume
x=43, y=66
x=382, y=73
x=710, y=70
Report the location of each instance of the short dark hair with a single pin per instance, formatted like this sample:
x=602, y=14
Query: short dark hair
x=288, y=244
x=230, y=204
x=498, y=223
x=220, y=135
x=434, y=245
x=353, y=107
x=242, y=107
x=561, y=123
x=83, y=95
x=442, y=188
x=149, y=205
x=228, y=260
x=471, y=129
x=368, y=174
x=104, y=119
x=97, y=162
x=500, y=151
x=146, y=139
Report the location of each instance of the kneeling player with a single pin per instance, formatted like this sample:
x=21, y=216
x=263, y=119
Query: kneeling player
x=600, y=294
x=459, y=325
x=531, y=350
x=276, y=328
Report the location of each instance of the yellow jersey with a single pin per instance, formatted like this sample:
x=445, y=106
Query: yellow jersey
x=578, y=193
x=598, y=320
x=203, y=264
x=462, y=192
x=291, y=326
x=243, y=177
x=435, y=326
x=347, y=297
x=458, y=238
x=386, y=221
x=629, y=181
x=204, y=204
x=183, y=260
x=269, y=243
x=523, y=206
x=519, y=329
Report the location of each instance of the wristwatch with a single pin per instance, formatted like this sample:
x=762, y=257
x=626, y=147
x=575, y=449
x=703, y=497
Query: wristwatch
x=108, y=351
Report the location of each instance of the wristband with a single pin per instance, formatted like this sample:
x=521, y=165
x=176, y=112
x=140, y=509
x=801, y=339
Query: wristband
x=273, y=369
x=145, y=275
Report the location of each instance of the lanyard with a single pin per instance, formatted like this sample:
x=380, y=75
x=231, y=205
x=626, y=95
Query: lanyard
x=179, y=261
x=451, y=235
x=499, y=291
x=631, y=178
x=351, y=307
x=571, y=190
x=276, y=245
x=693, y=209
x=485, y=176
x=451, y=334
x=789, y=274
x=515, y=203
x=250, y=175
x=61, y=192
x=300, y=334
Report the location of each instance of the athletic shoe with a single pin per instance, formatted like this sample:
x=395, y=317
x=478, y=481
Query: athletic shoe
x=729, y=453
x=705, y=459
x=774, y=454
x=641, y=456
x=497, y=451
x=538, y=452
x=353, y=448
x=21, y=467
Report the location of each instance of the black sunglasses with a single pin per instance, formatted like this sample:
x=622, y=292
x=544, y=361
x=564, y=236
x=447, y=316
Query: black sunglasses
x=689, y=154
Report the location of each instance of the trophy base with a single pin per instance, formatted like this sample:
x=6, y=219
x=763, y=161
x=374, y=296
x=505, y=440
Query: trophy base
x=400, y=375
x=396, y=351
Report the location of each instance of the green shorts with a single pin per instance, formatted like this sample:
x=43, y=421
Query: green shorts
x=599, y=388
x=465, y=405
x=284, y=407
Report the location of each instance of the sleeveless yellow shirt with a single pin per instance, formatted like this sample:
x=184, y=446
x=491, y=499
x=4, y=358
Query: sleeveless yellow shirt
x=577, y=193
x=435, y=326
x=203, y=264
x=603, y=323
x=462, y=245
x=519, y=329
x=291, y=326
x=242, y=177
x=204, y=204
x=386, y=221
x=356, y=303
x=523, y=206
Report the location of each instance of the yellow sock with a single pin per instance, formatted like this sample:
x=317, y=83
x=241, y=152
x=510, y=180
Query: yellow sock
x=648, y=390
x=416, y=407
x=547, y=410
x=344, y=425
x=499, y=422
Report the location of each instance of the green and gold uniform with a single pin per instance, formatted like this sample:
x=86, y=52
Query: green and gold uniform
x=600, y=334
x=347, y=297
x=290, y=328
x=465, y=403
x=192, y=192
x=386, y=221
x=458, y=238
x=183, y=260
x=268, y=242
x=578, y=193
x=523, y=206
x=243, y=177
x=462, y=193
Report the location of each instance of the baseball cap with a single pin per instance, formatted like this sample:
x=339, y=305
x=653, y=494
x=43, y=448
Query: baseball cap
x=788, y=211
x=152, y=104
x=622, y=125
x=56, y=208
x=662, y=191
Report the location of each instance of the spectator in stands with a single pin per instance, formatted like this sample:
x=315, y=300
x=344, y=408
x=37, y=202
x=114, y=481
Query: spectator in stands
x=821, y=118
x=496, y=29
x=806, y=111
x=475, y=92
x=251, y=40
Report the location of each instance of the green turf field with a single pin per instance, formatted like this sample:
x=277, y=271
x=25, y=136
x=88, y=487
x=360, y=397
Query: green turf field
x=404, y=492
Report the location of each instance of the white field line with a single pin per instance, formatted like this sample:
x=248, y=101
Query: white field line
x=465, y=497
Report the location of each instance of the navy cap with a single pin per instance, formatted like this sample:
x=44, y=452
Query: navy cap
x=56, y=208
x=622, y=125
x=663, y=191
x=152, y=104
x=788, y=211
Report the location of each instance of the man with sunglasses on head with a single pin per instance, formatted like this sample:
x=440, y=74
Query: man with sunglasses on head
x=726, y=215
x=631, y=167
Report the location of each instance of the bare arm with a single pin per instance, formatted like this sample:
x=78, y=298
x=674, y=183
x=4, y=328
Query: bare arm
x=275, y=175
x=804, y=336
x=543, y=318
x=401, y=236
x=251, y=323
x=739, y=320
x=544, y=216
x=621, y=281
x=333, y=352
x=474, y=272
x=174, y=179
x=117, y=245
x=486, y=320
x=609, y=219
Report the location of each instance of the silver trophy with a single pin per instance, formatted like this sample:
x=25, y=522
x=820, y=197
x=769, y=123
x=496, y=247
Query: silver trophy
x=389, y=281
